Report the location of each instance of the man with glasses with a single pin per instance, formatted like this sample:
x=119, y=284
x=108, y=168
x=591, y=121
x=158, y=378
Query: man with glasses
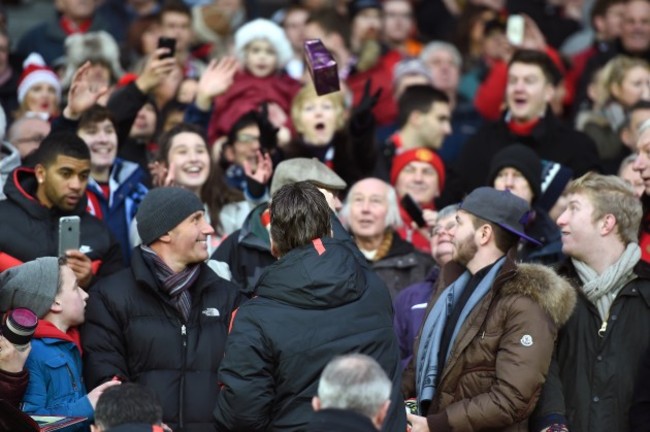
x=410, y=305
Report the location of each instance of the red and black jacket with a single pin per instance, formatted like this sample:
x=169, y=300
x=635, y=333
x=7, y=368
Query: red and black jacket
x=29, y=230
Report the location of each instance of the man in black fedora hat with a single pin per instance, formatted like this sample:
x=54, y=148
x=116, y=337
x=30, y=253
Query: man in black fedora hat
x=485, y=347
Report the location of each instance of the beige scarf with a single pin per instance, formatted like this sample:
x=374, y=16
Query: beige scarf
x=602, y=289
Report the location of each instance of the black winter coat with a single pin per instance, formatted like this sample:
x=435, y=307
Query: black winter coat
x=311, y=306
x=551, y=139
x=132, y=330
x=593, y=378
x=30, y=230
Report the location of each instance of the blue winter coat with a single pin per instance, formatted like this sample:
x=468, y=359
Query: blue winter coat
x=55, y=381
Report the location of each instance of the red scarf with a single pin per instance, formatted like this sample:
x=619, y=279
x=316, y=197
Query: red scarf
x=522, y=129
x=46, y=329
x=70, y=27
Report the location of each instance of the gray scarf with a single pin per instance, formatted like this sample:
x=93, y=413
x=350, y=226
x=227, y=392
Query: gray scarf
x=601, y=290
x=427, y=367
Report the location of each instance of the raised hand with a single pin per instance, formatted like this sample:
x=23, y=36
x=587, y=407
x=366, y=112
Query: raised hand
x=83, y=93
x=367, y=102
x=215, y=81
x=155, y=70
x=263, y=170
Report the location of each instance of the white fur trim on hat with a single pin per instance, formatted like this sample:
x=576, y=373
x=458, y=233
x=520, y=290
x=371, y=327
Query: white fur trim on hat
x=263, y=29
x=93, y=46
x=35, y=71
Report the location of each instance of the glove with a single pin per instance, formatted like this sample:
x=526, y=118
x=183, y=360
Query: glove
x=268, y=132
x=362, y=113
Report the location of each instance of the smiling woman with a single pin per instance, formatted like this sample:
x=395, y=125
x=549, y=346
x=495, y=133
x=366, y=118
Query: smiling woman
x=39, y=89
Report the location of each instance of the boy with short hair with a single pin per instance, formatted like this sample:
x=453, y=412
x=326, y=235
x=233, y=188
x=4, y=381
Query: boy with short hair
x=49, y=287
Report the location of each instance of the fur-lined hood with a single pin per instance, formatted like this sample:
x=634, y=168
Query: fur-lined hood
x=551, y=291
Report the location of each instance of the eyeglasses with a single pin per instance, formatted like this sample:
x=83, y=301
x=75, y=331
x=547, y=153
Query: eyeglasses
x=247, y=138
x=437, y=230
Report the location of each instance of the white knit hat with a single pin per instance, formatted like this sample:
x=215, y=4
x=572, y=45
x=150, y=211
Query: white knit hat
x=35, y=71
x=263, y=29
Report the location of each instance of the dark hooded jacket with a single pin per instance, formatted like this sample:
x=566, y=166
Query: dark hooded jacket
x=30, y=230
x=316, y=302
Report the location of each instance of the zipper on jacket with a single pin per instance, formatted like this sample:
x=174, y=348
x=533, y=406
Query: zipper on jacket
x=72, y=380
x=181, y=398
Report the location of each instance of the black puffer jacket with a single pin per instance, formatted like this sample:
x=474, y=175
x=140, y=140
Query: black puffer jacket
x=30, y=230
x=593, y=381
x=310, y=307
x=133, y=330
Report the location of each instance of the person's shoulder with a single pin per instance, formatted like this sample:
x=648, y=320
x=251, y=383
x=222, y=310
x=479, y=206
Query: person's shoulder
x=539, y=283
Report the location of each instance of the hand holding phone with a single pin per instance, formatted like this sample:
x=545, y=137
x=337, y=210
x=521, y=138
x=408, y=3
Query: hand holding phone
x=69, y=232
x=170, y=44
x=515, y=29
x=413, y=210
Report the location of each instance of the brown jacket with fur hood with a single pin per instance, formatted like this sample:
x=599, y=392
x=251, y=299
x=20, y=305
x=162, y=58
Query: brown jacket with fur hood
x=499, y=361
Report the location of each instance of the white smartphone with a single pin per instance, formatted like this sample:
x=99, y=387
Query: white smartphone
x=515, y=29
x=68, y=233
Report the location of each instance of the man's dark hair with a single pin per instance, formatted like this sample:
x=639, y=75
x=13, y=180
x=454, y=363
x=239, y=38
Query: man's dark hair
x=299, y=214
x=176, y=6
x=503, y=238
x=540, y=59
x=251, y=118
x=64, y=143
x=418, y=98
x=127, y=403
x=93, y=115
x=331, y=22
x=600, y=8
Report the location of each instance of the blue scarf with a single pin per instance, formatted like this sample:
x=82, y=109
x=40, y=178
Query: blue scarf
x=427, y=367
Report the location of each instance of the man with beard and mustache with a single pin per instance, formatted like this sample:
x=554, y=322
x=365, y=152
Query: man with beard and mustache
x=486, y=343
x=37, y=197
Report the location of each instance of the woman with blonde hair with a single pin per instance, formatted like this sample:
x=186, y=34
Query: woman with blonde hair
x=621, y=83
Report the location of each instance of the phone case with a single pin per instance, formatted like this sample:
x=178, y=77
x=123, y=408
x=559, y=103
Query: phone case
x=515, y=29
x=68, y=233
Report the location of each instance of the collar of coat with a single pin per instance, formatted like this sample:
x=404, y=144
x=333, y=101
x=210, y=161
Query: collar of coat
x=552, y=292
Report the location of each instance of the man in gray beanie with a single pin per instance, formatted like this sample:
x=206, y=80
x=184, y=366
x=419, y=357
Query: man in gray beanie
x=163, y=322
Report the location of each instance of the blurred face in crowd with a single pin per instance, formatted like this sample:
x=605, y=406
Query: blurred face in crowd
x=4, y=53
x=189, y=160
x=101, y=139
x=245, y=147
x=409, y=80
x=397, y=21
x=26, y=134
x=41, y=98
x=178, y=26
x=527, y=91
x=635, y=32
x=368, y=208
x=294, y=27
x=187, y=90
x=261, y=59
x=63, y=183
x=318, y=118
x=610, y=24
x=634, y=87
x=513, y=180
x=442, y=245
x=435, y=125
x=420, y=180
x=76, y=9
x=633, y=178
x=445, y=70
x=630, y=134
x=642, y=161
x=144, y=125
x=366, y=25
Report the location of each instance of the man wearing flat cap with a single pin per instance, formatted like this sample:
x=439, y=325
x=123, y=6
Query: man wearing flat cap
x=247, y=251
x=486, y=343
x=163, y=323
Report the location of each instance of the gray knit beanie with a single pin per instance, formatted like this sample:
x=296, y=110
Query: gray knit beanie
x=162, y=209
x=32, y=285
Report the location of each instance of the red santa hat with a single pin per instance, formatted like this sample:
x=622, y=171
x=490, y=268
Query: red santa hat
x=35, y=71
x=418, y=155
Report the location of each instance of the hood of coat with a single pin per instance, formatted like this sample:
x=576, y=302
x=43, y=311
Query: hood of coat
x=552, y=292
x=311, y=277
